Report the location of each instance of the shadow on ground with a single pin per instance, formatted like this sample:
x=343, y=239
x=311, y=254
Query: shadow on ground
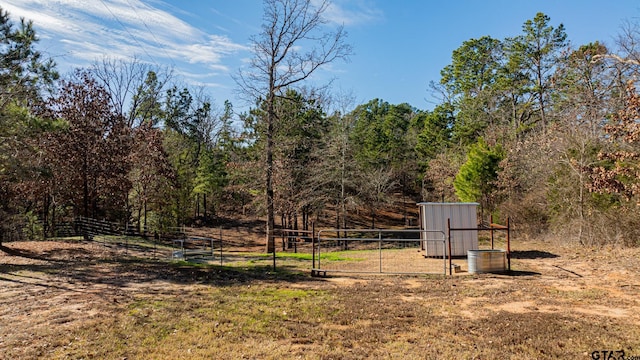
x=51, y=255
x=516, y=273
x=81, y=266
x=532, y=254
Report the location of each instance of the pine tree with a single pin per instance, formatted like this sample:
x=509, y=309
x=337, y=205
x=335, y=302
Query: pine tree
x=475, y=180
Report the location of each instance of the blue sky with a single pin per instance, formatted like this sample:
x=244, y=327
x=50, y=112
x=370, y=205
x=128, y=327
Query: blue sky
x=399, y=46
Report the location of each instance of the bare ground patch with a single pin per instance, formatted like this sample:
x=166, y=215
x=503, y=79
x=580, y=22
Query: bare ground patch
x=80, y=300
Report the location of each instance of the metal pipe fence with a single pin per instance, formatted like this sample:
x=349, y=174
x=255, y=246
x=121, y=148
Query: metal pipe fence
x=90, y=227
x=364, y=251
x=378, y=251
x=198, y=246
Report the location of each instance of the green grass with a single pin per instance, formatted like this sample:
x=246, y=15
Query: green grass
x=67, y=238
x=211, y=323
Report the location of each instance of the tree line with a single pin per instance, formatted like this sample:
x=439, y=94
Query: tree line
x=530, y=127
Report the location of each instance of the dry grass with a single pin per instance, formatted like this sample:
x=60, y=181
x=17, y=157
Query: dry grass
x=78, y=301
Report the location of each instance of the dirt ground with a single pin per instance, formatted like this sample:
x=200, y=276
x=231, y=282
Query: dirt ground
x=49, y=288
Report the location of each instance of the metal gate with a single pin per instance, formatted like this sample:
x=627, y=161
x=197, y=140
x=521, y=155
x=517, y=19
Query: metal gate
x=378, y=251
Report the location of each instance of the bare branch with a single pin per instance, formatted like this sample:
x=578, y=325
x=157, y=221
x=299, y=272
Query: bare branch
x=599, y=57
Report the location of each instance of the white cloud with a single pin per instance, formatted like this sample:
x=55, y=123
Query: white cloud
x=122, y=29
x=352, y=12
x=211, y=50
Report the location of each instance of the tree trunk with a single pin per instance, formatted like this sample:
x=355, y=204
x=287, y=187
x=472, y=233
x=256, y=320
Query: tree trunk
x=373, y=218
x=139, y=218
x=85, y=190
x=45, y=215
x=543, y=115
x=53, y=220
x=94, y=197
x=289, y=233
x=204, y=206
x=283, y=224
x=305, y=218
x=404, y=199
x=179, y=213
x=269, y=168
x=581, y=207
x=197, y=205
x=144, y=229
x=343, y=201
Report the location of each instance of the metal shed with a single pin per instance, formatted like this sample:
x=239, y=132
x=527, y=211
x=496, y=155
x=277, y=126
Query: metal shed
x=434, y=216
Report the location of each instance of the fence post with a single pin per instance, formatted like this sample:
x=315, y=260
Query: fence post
x=380, y=248
x=313, y=249
x=444, y=253
x=508, y=245
x=491, y=227
x=449, y=242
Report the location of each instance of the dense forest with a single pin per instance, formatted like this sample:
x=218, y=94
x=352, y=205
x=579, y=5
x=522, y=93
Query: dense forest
x=531, y=127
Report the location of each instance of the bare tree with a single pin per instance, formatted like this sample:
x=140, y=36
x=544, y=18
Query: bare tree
x=375, y=185
x=131, y=85
x=333, y=177
x=290, y=47
x=587, y=94
x=625, y=61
